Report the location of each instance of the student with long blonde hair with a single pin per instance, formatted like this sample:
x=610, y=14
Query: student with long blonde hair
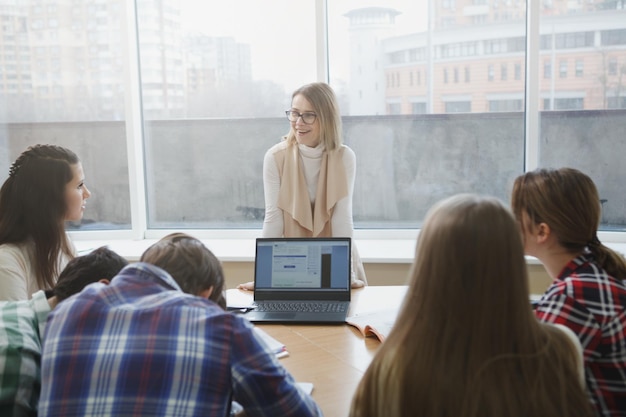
x=559, y=211
x=466, y=343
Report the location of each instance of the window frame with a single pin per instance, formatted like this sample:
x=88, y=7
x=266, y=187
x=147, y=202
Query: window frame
x=135, y=135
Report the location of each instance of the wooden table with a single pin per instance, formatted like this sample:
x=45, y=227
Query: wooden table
x=332, y=357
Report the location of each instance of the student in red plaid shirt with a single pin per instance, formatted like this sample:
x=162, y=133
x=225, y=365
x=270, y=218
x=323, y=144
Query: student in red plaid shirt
x=559, y=211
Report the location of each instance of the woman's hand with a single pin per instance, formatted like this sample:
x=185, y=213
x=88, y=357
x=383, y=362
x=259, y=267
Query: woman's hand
x=248, y=286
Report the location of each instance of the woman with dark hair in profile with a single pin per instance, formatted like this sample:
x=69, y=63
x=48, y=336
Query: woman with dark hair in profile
x=466, y=342
x=45, y=188
x=559, y=211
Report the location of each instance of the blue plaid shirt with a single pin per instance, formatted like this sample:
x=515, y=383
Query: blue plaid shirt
x=142, y=347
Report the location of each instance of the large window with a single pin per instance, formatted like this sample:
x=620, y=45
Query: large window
x=214, y=94
x=451, y=143
x=579, y=130
x=171, y=104
x=62, y=82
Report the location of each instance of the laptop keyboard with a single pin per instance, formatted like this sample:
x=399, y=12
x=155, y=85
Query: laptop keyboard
x=301, y=307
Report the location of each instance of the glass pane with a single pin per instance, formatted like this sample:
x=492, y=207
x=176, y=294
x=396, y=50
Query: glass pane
x=61, y=82
x=432, y=107
x=583, y=92
x=217, y=78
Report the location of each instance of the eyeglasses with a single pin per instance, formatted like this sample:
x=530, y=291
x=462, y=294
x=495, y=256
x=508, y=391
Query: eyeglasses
x=307, y=117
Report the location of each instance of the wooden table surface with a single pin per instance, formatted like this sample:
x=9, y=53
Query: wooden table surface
x=332, y=357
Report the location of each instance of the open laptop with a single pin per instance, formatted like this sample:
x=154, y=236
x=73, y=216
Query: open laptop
x=304, y=280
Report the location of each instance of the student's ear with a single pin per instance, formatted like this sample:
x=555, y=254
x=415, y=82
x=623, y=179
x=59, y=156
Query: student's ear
x=543, y=232
x=206, y=293
x=104, y=281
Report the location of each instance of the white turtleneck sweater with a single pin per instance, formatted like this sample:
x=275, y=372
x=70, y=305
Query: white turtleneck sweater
x=311, y=159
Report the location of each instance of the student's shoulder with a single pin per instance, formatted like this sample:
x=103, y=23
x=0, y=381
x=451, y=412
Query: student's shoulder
x=580, y=293
x=566, y=286
x=588, y=280
x=15, y=272
x=14, y=250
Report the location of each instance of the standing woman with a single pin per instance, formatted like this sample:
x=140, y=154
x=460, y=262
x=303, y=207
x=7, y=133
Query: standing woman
x=466, y=342
x=45, y=188
x=559, y=211
x=308, y=177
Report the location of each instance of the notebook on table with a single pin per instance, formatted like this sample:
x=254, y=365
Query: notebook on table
x=301, y=280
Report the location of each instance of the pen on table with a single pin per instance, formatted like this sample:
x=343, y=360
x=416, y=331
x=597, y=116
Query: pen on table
x=240, y=310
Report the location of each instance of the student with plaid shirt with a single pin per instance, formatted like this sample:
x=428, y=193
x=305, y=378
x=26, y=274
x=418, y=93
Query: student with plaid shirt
x=559, y=212
x=157, y=342
x=22, y=325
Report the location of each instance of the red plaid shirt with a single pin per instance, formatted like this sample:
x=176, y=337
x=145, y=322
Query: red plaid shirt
x=593, y=304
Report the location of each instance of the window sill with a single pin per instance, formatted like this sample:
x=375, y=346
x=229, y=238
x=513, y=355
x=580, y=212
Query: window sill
x=243, y=250
x=392, y=251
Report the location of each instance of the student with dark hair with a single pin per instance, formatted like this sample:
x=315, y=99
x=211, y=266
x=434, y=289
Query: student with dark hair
x=191, y=264
x=45, y=188
x=22, y=327
x=465, y=342
x=80, y=271
x=145, y=346
x=559, y=212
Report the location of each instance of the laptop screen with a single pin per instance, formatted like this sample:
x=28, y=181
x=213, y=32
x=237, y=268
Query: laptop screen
x=302, y=265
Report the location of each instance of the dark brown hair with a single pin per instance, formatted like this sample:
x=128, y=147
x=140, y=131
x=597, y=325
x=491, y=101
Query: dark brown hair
x=33, y=206
x=567, y=200
x=466, y=342
x=192, y=265
x=81, y=271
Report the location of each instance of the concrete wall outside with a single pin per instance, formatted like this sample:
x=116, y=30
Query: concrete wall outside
x=404, y=164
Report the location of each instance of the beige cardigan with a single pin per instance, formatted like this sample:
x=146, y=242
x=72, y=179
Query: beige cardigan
x=300, y=219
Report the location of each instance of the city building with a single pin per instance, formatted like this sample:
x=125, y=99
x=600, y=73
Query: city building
x=473, y=59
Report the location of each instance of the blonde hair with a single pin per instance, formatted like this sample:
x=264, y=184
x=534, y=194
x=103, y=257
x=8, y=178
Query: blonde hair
x=567, y=200
x=466, y=342
x=324, y=102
